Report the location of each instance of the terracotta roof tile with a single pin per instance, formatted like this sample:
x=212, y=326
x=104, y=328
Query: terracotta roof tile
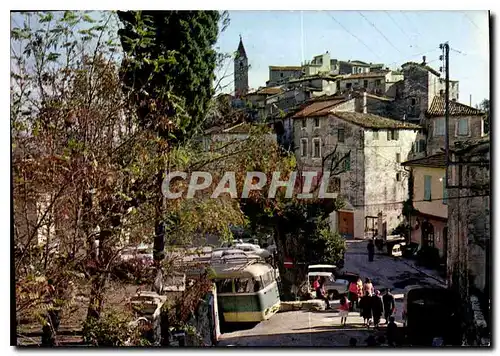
x=319, y=108
x=373, y=121
x=456, y=108
x=270, y=91
x=437, y=160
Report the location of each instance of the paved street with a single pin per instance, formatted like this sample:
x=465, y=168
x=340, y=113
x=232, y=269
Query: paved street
x=322, y=328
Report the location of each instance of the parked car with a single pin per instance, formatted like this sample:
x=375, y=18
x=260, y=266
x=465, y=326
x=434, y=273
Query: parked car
x=334, y=287
x=430, y=312
x=410, y=250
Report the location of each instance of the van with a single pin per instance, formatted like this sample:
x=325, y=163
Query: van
x=430, y=312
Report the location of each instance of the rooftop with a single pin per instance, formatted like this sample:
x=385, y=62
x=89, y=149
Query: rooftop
x=245, y=128
x=320, y=107
x=455, y=109
x=241, y=49
x=285, y=67
x=436, y=161
x=423, y=66
x=372, y=121
x=378, y=74
x=269, y=91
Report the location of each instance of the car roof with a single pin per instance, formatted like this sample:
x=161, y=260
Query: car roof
x=322, y=266
x=325, y=274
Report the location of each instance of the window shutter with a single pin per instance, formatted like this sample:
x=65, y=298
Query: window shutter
x=396, y=134
x=347, y=162
x=388, y=135
x=427, y=187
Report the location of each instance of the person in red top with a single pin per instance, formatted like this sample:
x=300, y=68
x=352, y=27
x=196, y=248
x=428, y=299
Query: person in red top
x=343, y=310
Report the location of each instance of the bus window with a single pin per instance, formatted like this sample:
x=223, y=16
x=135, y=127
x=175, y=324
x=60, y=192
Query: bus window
x=242, y=285
x=224, y=286
x=267, y=279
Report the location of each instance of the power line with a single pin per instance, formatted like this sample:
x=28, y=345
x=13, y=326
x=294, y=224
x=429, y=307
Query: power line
x=407, y=18
x=472, y=22
x=353, y=35
x=381, y=33
x=399, y=27
x=427, y=200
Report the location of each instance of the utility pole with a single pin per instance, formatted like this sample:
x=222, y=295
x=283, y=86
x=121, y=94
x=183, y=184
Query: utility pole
x=446, y=49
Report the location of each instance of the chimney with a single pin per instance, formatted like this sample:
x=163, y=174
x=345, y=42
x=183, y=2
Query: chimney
x=423, y=60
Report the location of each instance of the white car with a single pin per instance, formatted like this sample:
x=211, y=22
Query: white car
x=253, y=249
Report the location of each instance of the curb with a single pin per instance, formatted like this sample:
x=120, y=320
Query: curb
x=427, y=274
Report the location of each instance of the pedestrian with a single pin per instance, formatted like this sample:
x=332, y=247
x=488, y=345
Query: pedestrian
x=371, y=250
x=365, y=304
x=319, y=286
x=353, y=295
x=368, y=287
x=377, y=308
x=343, y=310
x=360, y=289
x=389, y=305
x=392, y=330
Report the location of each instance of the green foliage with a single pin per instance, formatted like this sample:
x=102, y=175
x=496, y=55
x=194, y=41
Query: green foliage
x=329, y=247
x=485, y=106
x=110, y=330
x=169, y=65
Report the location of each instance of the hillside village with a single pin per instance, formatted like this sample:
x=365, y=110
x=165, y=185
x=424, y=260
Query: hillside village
x=117, y=242
x=388, y=128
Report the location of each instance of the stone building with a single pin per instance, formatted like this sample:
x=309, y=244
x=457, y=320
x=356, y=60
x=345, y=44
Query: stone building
x=379, y=82
x=469, y=243
x=279, y=75
x=367, y=150
x=465, y=123
x=240, y=71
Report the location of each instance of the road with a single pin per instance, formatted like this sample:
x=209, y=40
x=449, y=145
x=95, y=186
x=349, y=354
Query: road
x=322, y=328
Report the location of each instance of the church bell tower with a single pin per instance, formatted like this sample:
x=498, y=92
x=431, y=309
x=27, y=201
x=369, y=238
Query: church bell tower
x=240, y=71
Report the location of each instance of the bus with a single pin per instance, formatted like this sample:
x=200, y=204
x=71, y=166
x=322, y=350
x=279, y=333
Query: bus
x=246, y=291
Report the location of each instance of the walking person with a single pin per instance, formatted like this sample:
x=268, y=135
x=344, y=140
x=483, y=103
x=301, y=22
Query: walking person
x=368, y=287
x=371, y=250
x=365, y=304
x=353, y=295
x=389, y=305
x=343, y=310
x=377, y=308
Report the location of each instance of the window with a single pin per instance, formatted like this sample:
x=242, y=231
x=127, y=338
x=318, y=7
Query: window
x=341, y=135
x=439, y=127
x=303, y=147
x=316, y=147
x=413, y=101
x=441, y=93
x=375, y=135
x=445, y=192
x=392, y=135
x=347, y=162
x=304, y=123
x=281, y=74
x=463, y=127
x=398, y=157
x=427, y=187
x=266, y=279
x=398, y=177
x=378, y=82
x=242, y=285
x=365, y=83
x=348, y=85
x=224, y=286
x=316, y=122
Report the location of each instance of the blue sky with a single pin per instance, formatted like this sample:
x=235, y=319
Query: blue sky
x=274, y=38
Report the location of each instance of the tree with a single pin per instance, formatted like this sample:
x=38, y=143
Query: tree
x=485, y=106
